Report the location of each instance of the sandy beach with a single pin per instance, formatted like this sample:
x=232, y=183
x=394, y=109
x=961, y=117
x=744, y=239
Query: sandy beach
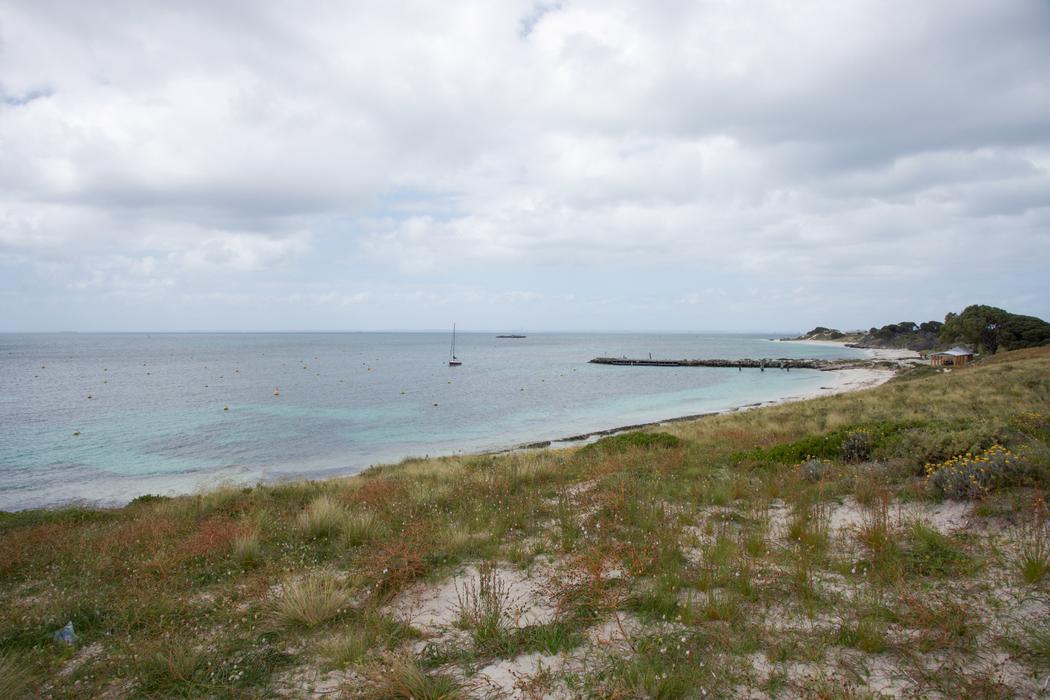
x=839, y=381
x=842, y=381
x=893, y=354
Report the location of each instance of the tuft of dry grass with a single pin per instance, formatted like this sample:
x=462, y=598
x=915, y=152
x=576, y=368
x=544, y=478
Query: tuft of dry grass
x=14, y=679
x=1035, y=643
x=403, y=679
x=323, y=517
x=173, y=671
x=484, y=607
x=943, y=623
x=1034, y=557
x=348, y=648
x=1034, y=561
x=310, y=601
x=364, y=639
x=361, y=527
x=247, y=548
x=877, y=535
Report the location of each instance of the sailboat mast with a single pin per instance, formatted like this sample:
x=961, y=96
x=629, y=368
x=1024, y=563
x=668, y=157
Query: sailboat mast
x=453, y=361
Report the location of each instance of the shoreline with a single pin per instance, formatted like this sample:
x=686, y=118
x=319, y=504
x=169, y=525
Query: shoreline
x=846, y=381
x=841, y=381
x=890, y=354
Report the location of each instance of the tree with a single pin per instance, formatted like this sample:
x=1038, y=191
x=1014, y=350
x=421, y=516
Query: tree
x=989, y=328
x=931, y=326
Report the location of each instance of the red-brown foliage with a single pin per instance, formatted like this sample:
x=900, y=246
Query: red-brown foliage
x=18, y=547
x=149, y=533
x=392, y=565
x=378, y=494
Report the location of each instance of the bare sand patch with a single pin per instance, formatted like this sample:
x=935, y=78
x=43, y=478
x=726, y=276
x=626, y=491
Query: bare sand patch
x=513, y=678
x=946, y=517
x=309, y=682
x=434, y=608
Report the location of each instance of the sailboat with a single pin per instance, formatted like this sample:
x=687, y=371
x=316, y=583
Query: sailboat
x=453, y=361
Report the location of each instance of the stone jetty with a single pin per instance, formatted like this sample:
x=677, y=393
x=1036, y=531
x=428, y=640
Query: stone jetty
x=764, y=363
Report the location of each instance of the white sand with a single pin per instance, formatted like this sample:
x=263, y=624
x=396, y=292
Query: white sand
x=841, y=381
x=434, y=609
x=872, y=353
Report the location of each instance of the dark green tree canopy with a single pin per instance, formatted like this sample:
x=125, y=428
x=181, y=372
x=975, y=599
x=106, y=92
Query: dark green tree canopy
x=990, y=329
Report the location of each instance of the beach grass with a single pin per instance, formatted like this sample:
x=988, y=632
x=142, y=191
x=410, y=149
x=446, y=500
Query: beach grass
x=802, y=549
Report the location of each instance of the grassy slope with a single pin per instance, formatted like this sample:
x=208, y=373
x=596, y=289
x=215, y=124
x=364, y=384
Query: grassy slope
x=714, y=557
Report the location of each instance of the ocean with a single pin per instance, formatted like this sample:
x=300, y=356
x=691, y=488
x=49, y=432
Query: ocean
x=103, y=418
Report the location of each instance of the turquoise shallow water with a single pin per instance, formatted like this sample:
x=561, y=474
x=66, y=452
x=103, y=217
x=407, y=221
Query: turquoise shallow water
x=155, y=420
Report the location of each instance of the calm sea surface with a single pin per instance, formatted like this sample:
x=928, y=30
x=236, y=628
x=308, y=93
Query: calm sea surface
x=105, y=418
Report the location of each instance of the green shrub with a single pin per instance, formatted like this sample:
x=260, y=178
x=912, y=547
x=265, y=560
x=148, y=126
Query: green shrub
x=68, y=515
x=623, y=442
x=1033, y=424
x=939, y=441
x=814, y=470
x=857, y=446
x=810, y=447
x=148, y=498
x=973, y=475
x=915, y=372
x=830, y=446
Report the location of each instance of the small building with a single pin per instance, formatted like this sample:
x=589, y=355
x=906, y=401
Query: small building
x=956, y=357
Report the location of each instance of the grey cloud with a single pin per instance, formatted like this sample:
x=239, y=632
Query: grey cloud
x=527, y=23
x=821, y=139
x=24, y=98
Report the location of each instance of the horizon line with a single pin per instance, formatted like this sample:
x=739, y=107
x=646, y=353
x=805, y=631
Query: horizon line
x=392, y=330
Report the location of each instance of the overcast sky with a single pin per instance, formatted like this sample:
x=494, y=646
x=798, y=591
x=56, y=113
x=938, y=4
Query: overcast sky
x=208, y=165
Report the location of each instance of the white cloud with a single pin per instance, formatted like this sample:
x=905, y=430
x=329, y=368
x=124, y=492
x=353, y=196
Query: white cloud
x=408, y=141
x=240, y=251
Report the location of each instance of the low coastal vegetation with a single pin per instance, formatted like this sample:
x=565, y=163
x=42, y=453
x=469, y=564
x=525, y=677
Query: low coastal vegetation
x=881, y=543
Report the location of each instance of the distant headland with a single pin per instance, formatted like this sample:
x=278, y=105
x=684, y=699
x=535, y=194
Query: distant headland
x=986, y=329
